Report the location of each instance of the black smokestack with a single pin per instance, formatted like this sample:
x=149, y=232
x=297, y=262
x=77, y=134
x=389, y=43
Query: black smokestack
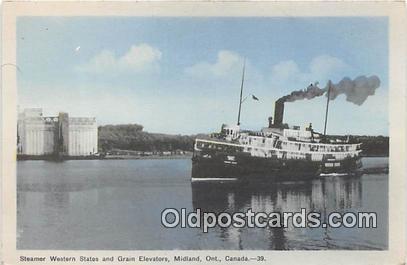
x=356, y=90
x=278, y=112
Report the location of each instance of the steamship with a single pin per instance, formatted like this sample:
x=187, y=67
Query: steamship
x=275, y=152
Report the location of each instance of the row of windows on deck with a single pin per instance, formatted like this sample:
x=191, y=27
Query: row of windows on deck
x=220, y=147
x=295, y=155
x=270, y=153
x=296, y=146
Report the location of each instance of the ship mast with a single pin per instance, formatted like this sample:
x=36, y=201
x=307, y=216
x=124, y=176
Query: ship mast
x=241, y=94
x=326, y=110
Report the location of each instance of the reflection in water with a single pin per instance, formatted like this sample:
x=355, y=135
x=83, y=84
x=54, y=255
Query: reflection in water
x=340, y=193
x=117, y=205
x=323, y=195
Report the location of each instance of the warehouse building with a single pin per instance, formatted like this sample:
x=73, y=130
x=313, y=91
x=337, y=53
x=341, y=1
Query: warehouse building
x=57, y=135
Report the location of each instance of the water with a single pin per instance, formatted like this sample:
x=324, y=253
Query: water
x=117, y=204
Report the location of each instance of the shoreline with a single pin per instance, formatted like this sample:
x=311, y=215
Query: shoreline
x=135, y=157
x=109, y=157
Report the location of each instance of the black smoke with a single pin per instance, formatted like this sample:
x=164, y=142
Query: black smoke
x=355, y=91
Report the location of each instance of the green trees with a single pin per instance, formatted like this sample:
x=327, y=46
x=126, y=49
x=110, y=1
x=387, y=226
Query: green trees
x=132, y=137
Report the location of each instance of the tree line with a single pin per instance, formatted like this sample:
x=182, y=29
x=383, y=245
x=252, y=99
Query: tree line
x=132, y=137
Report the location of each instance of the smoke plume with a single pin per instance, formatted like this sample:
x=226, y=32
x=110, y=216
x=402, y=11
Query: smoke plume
x=356, y=90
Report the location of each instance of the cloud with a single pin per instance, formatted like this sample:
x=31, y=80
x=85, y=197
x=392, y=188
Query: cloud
x=285, y=70
x=325, y=65
x=227, y=63
x=139, y=58
x=320, y=68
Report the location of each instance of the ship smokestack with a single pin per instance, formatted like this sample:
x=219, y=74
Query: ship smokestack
x=278, y=112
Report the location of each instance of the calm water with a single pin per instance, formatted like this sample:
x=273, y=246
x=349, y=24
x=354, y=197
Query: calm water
x=117, y=204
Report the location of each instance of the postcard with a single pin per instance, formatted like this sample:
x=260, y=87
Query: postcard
x=203, y=133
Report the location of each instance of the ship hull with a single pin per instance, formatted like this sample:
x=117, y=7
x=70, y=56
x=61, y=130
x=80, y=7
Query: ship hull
x=222, y=166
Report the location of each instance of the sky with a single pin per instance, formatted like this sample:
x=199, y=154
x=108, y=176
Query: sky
x=183, y=75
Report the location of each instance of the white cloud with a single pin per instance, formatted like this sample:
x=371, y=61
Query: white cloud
x=285, y=70
x=139, y=58
x=227, y=63
x=324, y=65
x=320, y=68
